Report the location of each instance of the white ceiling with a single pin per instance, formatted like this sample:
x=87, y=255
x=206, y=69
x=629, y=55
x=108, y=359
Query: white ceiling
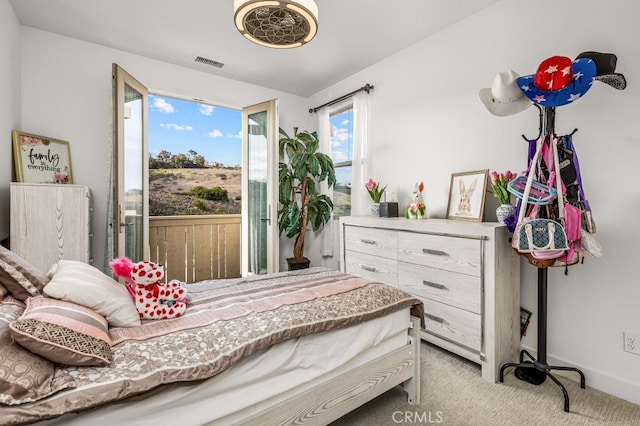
x=353, y=34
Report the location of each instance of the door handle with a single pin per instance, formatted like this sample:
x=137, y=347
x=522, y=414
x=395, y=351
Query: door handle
x=121, y=219
x=268, y=218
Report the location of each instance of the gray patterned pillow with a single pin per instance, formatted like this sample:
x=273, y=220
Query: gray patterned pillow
x=24, y=376
x=63, y=332
x=19, y=277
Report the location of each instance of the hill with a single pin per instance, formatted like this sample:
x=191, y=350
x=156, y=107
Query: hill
x=169, y=191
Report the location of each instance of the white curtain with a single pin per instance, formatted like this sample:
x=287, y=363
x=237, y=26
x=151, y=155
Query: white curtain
x=109, y=249
x=324, y=135
x=359, y=196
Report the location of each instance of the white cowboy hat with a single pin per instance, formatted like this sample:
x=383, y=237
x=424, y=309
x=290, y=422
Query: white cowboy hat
x=504, y=97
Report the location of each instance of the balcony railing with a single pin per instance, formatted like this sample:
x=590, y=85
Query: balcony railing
x=196, y=248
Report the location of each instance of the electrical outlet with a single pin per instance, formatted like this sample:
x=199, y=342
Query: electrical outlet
x=631, y=342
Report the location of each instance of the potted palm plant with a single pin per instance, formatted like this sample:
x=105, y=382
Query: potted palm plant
x=301, y=203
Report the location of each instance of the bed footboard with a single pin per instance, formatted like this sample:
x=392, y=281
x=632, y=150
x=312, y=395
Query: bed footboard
x=334, y=398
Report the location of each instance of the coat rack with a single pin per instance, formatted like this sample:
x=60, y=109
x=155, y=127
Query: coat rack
x=537, y=370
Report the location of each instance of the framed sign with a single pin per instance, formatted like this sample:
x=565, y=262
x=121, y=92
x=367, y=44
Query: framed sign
x=467, y=195
x=40, y=159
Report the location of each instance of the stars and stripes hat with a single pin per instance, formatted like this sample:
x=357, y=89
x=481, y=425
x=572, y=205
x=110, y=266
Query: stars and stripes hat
x=558, y=81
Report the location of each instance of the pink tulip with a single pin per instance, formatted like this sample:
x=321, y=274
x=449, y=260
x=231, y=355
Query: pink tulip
x=371, y=184
x=494, y=178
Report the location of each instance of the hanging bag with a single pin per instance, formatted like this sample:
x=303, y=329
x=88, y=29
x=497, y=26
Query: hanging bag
x=544, y=238
x=539, y=193
x=588, y=222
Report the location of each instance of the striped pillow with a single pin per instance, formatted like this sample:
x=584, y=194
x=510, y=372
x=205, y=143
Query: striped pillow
x=24, y=376
x=63, y=332
x=19, y=277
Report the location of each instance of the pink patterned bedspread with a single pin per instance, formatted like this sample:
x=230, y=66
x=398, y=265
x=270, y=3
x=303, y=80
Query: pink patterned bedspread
x=226, y=321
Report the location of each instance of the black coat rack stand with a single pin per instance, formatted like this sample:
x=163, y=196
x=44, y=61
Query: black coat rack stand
x=537, y=370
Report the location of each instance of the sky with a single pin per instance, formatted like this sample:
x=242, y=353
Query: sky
x=179, y=126
x=342, y=143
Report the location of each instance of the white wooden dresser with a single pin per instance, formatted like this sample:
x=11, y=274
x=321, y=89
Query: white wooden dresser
x=50, y=222
x=466, y=273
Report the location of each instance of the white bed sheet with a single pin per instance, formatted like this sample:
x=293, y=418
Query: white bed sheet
x=295, y=363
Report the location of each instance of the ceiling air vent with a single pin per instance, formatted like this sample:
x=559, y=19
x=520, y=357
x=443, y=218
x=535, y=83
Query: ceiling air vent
x=208, y=61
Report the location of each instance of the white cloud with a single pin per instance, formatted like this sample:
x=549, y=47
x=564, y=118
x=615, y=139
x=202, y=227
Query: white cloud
x=206, y=110
x=176, y=126
x=339, y=156
x=345, y=122
x=215, y=133
x=235, y=136
x=340, y=134
x=163, y=106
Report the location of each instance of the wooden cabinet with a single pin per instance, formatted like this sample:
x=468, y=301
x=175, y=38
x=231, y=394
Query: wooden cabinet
x=50, y=222
x=466, y=274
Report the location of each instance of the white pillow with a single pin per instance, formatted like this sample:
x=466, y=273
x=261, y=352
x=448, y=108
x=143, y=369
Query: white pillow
x=86, y=285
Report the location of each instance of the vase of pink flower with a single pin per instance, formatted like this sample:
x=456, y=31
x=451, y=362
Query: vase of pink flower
x=499, y=182
x=375, y=192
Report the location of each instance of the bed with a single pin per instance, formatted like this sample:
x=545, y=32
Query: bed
x=302, y=347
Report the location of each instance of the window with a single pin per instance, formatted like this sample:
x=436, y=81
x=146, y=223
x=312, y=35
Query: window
x=342, y=155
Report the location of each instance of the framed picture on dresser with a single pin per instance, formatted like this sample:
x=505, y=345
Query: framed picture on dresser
x=467, y=194
x=40, y=159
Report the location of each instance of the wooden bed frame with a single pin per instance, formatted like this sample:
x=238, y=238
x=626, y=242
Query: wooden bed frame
x=331, y=399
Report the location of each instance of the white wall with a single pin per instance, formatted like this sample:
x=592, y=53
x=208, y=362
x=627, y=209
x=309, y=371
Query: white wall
x=427, y=122
x=66, y=94
x=10, y=105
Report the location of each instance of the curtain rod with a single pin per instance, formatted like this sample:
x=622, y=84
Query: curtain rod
x=367, y=88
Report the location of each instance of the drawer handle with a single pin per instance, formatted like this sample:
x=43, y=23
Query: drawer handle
x=368, y=241
x=368, y=268
x=434, y=285
x=434, y=318
x=434, y=252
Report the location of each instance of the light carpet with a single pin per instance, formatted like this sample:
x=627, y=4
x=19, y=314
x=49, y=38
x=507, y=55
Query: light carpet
x=453, y=393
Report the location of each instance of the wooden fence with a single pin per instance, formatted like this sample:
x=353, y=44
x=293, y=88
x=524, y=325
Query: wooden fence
x=196, y=248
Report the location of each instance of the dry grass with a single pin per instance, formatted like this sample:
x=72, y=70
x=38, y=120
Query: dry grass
x=168, y=191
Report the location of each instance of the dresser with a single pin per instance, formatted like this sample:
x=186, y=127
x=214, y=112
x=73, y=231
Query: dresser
x=466, y=274
x=50, y=222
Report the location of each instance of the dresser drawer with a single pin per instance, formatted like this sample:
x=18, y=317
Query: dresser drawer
x=458, y=290
x=372, y=267
x=379, y=242
x=457, y=325
x=436, y=251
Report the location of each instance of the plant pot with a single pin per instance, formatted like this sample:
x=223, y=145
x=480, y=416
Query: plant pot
x=295, y=264
x=375, y=209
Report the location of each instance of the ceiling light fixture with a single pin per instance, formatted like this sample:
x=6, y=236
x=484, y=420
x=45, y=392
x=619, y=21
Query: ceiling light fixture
x=279, y=24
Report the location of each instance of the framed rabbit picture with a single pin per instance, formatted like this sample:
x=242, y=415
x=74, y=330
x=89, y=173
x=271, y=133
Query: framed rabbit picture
x=467, y=195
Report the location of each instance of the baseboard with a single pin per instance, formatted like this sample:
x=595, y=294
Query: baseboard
x=596, y=379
